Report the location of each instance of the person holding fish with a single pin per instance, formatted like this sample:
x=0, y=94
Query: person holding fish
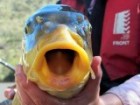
x=114, y=75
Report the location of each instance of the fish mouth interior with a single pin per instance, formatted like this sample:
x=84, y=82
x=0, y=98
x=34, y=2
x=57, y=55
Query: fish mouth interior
x=60, y=61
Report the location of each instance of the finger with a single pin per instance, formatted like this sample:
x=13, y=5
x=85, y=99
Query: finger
x=39, y=97
x=20, y=82
x=24, y=98
x=96, y=67
x=28, y=90
x=93, y=85
x=92, y=89
x=9, y=93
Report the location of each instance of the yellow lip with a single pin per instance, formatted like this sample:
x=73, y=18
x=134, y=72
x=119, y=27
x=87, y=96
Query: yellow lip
x=69, y=83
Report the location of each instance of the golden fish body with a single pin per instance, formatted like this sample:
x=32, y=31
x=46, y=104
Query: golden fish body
x=57, y=50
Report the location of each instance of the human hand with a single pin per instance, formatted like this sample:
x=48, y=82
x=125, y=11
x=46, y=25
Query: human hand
x=30, y=94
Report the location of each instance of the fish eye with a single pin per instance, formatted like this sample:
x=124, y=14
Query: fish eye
x=28, y=27
x=28, y=30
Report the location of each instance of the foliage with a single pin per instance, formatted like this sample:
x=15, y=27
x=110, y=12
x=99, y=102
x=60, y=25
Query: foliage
x=13, y=14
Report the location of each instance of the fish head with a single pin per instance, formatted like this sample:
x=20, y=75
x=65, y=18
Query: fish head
x=57, y=50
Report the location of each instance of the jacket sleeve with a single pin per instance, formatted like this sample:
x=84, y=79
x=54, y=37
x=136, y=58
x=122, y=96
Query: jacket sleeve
x=129, y=91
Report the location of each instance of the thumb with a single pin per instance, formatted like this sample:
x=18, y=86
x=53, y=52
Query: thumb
x=93, y=85
x=96, y=67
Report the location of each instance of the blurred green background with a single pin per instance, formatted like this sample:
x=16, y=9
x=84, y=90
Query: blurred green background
x=13, y=14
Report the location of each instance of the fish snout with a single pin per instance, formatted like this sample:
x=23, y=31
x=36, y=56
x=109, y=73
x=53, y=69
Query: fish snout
x=60, y=35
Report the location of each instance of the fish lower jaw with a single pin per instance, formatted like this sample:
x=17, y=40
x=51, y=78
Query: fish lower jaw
x=68, y=93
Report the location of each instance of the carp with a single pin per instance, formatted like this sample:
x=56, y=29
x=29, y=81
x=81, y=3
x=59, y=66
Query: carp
x=57, y=50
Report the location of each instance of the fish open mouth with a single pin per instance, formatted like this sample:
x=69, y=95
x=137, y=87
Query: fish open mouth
x=63, y=63
x=60, y=61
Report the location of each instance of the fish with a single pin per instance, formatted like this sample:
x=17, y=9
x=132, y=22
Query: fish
x=57, y=51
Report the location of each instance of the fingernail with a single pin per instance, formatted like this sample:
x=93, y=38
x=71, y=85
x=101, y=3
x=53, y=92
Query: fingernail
x=18, y=69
